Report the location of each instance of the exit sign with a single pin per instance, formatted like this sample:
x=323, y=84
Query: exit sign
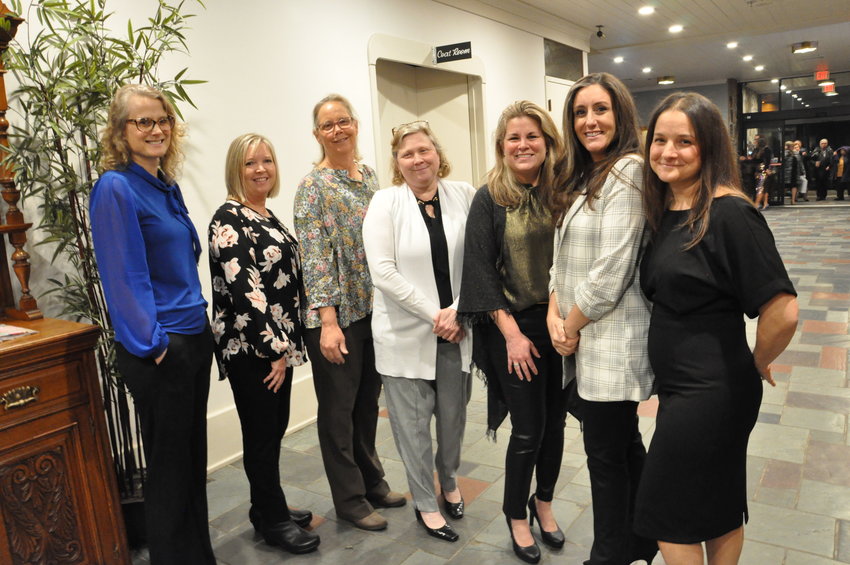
x=821, y=75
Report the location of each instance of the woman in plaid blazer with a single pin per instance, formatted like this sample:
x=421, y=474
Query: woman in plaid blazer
x=596, y=309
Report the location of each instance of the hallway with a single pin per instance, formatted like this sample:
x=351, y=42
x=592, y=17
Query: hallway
x=798, y=465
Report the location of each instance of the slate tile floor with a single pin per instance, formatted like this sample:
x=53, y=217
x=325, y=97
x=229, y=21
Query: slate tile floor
x=798, y=466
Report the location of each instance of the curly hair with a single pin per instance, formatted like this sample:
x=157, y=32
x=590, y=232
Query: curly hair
x=115, y=153
x=235, y=161
x=403, y=131
x=577, y=171
x=501, y=181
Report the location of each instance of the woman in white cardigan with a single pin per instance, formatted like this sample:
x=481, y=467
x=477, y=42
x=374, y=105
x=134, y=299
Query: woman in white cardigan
x=413, y=235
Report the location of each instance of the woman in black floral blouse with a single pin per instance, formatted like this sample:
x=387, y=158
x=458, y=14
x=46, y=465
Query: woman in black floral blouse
x=256, y=279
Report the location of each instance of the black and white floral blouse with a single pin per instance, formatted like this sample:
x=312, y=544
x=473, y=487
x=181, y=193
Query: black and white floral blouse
x=257, y=289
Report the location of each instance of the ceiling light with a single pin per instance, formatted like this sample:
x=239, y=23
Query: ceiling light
x=788, y=91
x=748, y=57
x=647, y=69
x=794, y=96
x=666, y=80
x=826, y=82
x=618, y=59
x=833, y=93
x=646, y=10
x=759, y=67
x=804, y=47
x=774, y=80
x=782, y=87
x=676, y=28
x=731, y=44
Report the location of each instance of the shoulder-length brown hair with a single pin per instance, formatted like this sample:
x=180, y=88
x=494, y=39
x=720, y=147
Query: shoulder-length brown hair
x=115, y=153
x=501, y=181
x=577, y=171
x=235, y=162
x=718, y=165
x=403, y=131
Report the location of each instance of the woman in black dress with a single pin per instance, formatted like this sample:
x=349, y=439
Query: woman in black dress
x=711, y=260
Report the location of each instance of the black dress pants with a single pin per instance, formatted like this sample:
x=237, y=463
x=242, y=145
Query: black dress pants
x=615, y=458
x=263, y=416
x=538, y=413
x=823, y=182
x=171, y=399
x=348, y=419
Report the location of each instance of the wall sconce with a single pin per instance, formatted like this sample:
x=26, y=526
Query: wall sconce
x=804, y=47
x=666, y=80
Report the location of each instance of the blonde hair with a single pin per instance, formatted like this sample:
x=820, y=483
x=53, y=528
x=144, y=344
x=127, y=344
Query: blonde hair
x=501, y=181
x=115, y=153
x=333, y=97
x=235, y=162
x=409, y=129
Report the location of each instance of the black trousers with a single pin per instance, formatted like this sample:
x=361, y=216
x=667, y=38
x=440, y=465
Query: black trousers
x=263, y=416
x=538, y=413
x=348, y=419
x=840, y=188
x=615, y=458
x=171, y=399
x=823, y=182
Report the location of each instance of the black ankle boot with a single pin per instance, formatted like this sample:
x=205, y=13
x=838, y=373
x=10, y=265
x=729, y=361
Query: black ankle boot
x=291, y=537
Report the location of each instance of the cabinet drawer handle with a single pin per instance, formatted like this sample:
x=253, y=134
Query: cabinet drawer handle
x=20, y=396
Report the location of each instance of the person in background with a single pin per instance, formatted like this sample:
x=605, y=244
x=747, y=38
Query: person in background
x=256, y=279
x=822, y=159
x=330, y=204
x=803, y=180
x=508, y=252
x=841, y=172
x=413, y=234
x=761, y=194
x=712, y=259
x=596, y=309
x=790, y=170
x=147, y=252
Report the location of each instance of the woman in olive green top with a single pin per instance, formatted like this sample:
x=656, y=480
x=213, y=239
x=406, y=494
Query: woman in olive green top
x=504, y=294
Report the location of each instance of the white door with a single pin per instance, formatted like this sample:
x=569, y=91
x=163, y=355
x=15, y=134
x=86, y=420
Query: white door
x=556, y=95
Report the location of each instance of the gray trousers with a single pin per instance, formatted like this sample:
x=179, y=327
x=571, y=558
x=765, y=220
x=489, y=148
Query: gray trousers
x=411, y=403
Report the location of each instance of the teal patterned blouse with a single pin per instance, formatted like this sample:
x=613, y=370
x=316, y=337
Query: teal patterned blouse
x=329, y=211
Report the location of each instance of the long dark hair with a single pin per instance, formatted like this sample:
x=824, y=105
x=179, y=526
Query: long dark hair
x=577, y=172
x=719, y=167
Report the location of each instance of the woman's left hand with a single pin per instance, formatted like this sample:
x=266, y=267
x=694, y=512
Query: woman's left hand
x=766, y=375
x=277, y=375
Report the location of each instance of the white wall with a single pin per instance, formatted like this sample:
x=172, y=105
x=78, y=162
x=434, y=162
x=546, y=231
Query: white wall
x=267, y=63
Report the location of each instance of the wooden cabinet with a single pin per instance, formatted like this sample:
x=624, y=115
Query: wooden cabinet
x=58, y=495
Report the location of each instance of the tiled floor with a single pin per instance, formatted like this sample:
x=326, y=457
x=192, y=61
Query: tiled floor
x=798, y=468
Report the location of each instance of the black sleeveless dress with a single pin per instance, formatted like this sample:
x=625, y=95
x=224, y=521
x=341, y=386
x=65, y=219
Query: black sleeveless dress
x=693, y=486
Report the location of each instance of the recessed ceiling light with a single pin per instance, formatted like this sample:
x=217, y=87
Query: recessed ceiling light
x=618, y=59
x=826, y=82
x=747, y=57
x=731, y=44
x=774, y=80
x=759, y=67
x=833, y=93
x=804, y=47
x=666, y=80
x=646, y=10
x=782, y=87
x=676, y=28
x=647, y=69
x=793, y=96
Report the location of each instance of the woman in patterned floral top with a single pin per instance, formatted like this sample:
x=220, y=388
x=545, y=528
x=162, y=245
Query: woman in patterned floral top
x=258, y=333
x=329, y=208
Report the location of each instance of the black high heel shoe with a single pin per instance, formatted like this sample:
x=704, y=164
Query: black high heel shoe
x=554, y=539
x=300, y=517
x=445, y=532
x=529, y=553
x=453, y=509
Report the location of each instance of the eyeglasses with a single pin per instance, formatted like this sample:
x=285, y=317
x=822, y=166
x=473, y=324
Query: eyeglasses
x=414, y=123
x=145, y=125
x=343, y=123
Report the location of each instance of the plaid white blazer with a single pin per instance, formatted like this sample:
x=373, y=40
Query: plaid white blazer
x=596, y=267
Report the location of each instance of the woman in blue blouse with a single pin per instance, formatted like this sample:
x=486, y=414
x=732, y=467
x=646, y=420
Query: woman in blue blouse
x=256, y=280
x=147, y=251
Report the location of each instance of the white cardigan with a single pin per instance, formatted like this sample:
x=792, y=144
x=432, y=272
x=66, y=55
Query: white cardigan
x=398, y=250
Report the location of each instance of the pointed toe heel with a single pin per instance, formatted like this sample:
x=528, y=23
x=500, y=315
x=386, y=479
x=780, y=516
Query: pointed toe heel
x=445, y=532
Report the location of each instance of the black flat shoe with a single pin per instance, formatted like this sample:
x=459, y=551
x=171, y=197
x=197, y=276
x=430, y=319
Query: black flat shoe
x=445, y=532
x=529, y=553
x=554, y=539
x=300, y=517
x=291, y=537
x=453, y=509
